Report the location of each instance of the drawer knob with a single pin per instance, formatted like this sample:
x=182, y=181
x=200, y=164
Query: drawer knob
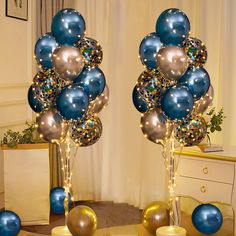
x=203, y=189
x=205, y=170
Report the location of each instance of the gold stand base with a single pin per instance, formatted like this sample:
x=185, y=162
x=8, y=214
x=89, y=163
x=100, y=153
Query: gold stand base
x=61, y=231
x=171, y=231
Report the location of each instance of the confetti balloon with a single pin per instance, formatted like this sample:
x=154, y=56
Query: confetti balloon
x=152, y=85
x=35, y=104
x=155, y=126
x=67, y=62
x=68, y=26
x=51, y=126
x=46, y=86
x=207, y=219
x=72, y=103
x=172, y=62
x=91, y=51
x=82, y=221
x=177, y=102
x=44, y=49
x=172, y=27
x=140, y=104
x=92, y=80
x=87, y=131
x=191, y=131
x=9, y=223
x=148, y=50
x=196, y=51
x=155, y=215
x=197, y=80
x=204, y=102
x=99, y=102
x=57, y=197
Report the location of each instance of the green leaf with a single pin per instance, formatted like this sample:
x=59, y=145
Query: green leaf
x=212, y=129
x=218, y=128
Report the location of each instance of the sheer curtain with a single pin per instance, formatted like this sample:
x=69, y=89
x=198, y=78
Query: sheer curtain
x=123, y=166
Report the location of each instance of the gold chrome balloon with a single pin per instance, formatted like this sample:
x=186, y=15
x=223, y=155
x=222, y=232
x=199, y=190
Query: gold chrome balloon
x=155, y=126
x=155, y=215
x=99, y=102
x=172, y=62
x=50, y=126
x=67, y=62
x=203, y=103
x=82, y=221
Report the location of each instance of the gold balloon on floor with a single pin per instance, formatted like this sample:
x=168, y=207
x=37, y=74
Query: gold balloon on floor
x=82, y=221
x=155, y=215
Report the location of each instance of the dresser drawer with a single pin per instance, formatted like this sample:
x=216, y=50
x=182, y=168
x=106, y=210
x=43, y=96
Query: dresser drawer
x=203, y=190
x=206, y=169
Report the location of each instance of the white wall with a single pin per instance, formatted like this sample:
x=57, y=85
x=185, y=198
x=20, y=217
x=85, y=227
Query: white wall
x=16, y=63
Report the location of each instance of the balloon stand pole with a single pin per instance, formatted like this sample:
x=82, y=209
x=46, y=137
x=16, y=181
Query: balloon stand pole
x=171, y=164
x=65, y=167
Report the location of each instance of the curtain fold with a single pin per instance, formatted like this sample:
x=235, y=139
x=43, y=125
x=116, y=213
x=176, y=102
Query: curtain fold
x=123, y=166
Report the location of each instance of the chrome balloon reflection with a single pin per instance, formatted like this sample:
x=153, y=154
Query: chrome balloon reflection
x=82, y=220
x=67, y=62
x=148, y=50
x=51, y=126
x=68, y=26
x=172, y=27
x=155, y=215
x=207, y=218
x=155, y=126
x=140, y=104
x=99, y=102
x=177, y=102
x=35, y=104
x=172, y=62
x=204, y=102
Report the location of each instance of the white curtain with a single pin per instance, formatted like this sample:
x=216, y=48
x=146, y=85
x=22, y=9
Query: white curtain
x=123, y=166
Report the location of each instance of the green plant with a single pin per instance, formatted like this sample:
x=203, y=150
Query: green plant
x=12, y=138
x=216, y=120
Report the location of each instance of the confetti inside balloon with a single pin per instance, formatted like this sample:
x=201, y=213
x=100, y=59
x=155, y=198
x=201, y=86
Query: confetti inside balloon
x=196, y=51
x=191, y=131
x=91, y=51
x=46, y=86
x=151, y=86
x=87, y=131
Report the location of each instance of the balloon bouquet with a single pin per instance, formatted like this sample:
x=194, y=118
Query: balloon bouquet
x=69, y=90
x=174, y=90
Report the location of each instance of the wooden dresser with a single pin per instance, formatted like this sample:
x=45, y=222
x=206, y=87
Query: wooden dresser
x=207, y=177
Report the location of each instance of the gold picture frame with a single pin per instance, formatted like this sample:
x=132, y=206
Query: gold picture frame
x=17, y=9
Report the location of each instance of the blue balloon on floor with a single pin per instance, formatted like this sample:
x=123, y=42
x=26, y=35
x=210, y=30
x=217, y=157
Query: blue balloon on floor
x=138, y=102
x=9, y=223
x=148, y=50
x=197, y=80
x=57, y=196
x=35, y=104
x=44, y=49
x=92, y=80
x=72, y=103
x=177, y=102
x=68, y=26
x=172, y=27
x=207, y=218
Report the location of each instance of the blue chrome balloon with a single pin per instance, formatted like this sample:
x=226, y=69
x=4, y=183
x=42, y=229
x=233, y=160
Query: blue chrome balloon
x=197, y=80
x=72, y=103
x=172, y=27
x=57, y=196
x=68, y=26
x=92, y=80
x=9, y=223
x=138, y=102
x=43, y=50
x=177, y=102
x=148, y=50
x=207, y=218
x=35, y=104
